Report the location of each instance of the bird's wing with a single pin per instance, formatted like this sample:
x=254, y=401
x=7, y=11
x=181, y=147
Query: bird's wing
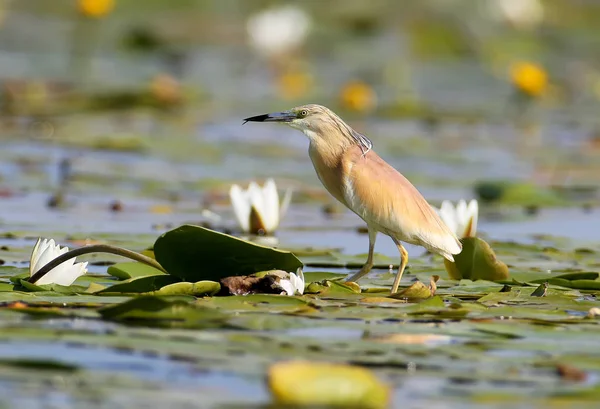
x=385, y=198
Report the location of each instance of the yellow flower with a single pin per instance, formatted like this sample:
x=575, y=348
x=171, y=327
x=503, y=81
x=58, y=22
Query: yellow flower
x=95, y=8
x=358, y=96
x=165, y=89
x=294, y=84
x=529, y=78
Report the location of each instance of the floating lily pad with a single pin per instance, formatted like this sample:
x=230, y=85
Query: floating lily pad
x=327, y=287
x=312, y=276
x=199, y=289
x=476, y=261
x=6, y=287
x=195, y=253
x=140, y=285
x=255, y=302
x=324, y=384
x=126, y=270
x=57, y=288
x=417, y=291
x=173, y=310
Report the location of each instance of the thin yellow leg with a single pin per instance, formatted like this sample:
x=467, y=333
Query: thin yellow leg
x=369, y=264
x=403, y=261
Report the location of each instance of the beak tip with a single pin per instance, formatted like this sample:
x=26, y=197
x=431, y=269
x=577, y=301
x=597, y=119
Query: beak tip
x=257, y=118
x=274, y=117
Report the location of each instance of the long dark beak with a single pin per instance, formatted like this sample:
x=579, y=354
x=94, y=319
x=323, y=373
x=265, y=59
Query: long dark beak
x=285, y=116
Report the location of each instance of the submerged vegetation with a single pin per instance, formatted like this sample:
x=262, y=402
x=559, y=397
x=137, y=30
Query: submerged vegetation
x=198, y=271
x=468, y=335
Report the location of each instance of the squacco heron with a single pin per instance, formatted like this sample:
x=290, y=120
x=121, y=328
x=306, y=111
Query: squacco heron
x=357, y=177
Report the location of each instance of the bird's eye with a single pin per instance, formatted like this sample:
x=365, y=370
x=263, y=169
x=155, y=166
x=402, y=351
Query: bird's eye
x=303, y=113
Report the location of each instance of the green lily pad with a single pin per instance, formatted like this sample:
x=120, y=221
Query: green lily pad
x=127, y=270
x=313, y=276
x=253, y=302
x=6, y=287
x=417, y=291
x=194, y=253
x=140, y=285
x=161, y=310
x=316, y=384
x=581, y=281
x=327, y=287
x=579, y=276
x=57, y=288
x=201, y=288
x=476, y=261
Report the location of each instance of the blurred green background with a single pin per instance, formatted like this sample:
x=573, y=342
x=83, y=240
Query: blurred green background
x=144, y=99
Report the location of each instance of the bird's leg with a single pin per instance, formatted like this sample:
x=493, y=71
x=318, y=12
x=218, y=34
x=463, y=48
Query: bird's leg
x=403, y=261
x=369, y=264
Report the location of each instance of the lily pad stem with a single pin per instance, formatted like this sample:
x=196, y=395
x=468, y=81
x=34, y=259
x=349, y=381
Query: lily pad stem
x=95, y=248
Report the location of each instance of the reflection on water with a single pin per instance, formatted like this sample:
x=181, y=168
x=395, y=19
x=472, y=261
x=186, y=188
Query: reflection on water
x=152, y=379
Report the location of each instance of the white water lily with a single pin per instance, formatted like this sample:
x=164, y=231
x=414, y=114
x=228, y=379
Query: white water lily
x=295, y=284
x=65, y=274
x=258, y=209
x=462, y=219
x=277, y=30
x=525, y=14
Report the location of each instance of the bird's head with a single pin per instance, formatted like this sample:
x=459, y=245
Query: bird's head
x=319, y=123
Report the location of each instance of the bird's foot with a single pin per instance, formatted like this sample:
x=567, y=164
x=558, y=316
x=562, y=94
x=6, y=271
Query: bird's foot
x=363, y=272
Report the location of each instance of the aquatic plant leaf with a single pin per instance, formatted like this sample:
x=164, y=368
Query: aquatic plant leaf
x=577, y=284
x=48, y=297
x=57, y=288
x=335, y=287
x=199, y=289
x=327, y=287
x=10, y=271
x=39, y=364
x=303, y=383
x=578, y=276
x=6, y=287
x=313, y=276
x=476, y=261
x=94, y=288
x=253, y=301
x=416, y=291
x=163, y=310
x=195, y=253
x=127, y=270
x=140, y=285
x=581, y=281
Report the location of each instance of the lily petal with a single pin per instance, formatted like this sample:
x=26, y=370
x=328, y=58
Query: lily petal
x=473, y=216
x=285, y=203
x=271, y=205
x=35, y=254
x=65, y=274
x=240, y=202
x=298, y=280
x=258, y=208
x=461, y=217
x=287, y=286
x=448, y=215
x=258, y=217
x=45, y=255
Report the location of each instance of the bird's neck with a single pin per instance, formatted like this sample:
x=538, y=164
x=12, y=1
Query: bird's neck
x=330, y=154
